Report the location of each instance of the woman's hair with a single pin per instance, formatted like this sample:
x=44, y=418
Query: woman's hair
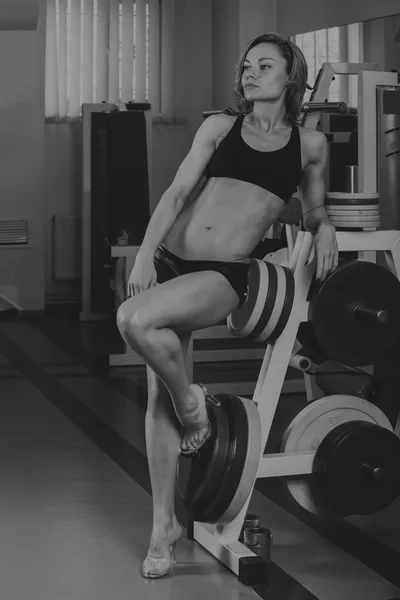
x=296, y=68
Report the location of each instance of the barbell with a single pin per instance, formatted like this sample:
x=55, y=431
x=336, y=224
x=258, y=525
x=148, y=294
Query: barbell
x=356, y=467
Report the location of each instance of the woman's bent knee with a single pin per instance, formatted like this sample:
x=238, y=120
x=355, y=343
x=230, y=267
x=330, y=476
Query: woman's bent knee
x=127, y=318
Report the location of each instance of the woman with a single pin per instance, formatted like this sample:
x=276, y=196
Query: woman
x=198, y=249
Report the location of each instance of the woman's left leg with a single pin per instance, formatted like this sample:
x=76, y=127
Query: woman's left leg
x=147, y=323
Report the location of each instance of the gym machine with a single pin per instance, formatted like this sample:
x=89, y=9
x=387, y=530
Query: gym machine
x=340, y=455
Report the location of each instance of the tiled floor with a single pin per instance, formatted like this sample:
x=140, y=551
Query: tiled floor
x=75, y=498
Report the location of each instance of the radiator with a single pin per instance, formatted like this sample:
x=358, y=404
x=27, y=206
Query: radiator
x=66, y=248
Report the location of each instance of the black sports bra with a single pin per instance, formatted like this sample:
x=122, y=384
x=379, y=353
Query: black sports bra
x=278, y=171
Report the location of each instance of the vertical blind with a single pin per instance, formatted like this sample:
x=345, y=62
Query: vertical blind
x=319, y=47
x=109, y=50
x=337, y=44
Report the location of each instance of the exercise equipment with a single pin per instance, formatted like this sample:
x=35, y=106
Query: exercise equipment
x=311, y=459
x=352, y=200
x=358, y=466
x=335, y=378
x=214, y=485
x=355, y=467
x=317, y=428
x=354, y=314
x=350, y=210
x=266, y=311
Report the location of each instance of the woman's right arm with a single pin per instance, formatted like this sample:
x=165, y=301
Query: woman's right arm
x=186, y=178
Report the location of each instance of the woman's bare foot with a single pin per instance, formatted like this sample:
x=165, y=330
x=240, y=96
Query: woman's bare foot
x=197, y=426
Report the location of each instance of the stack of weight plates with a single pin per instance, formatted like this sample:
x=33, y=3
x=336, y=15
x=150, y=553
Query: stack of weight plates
x=353, y=211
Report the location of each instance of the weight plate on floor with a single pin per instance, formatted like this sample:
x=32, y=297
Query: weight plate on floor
x=306, y=432
x=357, y=463
x=341, y=336
x=199, y=478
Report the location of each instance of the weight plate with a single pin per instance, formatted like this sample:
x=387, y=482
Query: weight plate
x=269, y=318
x=245, y=439
x=358, y=465
x=353, y=213
x=348, y=198
x=268, y=330
x=351, y=207
x=262, y=284
x=252, y=459
x=269, y=302
x=306, y=432
x=355, y=219
x=198, y=478
x=355, y=227
x=338, y=334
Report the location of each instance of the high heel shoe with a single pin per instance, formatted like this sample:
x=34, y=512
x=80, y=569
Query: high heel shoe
x=197, y=449
x=154, y=567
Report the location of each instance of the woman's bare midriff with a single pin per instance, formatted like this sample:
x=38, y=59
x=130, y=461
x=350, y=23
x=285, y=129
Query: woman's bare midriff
x=225, y=221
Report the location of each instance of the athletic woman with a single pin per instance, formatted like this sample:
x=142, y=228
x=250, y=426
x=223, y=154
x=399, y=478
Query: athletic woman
x=191, y=269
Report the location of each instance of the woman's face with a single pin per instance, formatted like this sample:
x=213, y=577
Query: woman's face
x=264, y=73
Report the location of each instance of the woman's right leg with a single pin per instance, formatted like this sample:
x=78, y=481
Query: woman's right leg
x=163, y=440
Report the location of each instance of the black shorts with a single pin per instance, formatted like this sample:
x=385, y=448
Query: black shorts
x=169, y=265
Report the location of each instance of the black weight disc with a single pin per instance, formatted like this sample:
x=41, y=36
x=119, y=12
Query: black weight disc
x=236, y=459
x=348, y=199
x=198, y=478
x=339, y=335
x=358, y=464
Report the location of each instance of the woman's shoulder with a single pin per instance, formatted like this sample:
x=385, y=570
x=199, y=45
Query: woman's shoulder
x=222, y=119
x=219, y=124
x=312, y=140
x=311, y=136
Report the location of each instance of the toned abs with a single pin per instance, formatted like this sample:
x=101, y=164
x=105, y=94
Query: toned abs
x=225, y=221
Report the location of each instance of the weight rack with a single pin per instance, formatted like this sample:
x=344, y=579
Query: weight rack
x=222, y=540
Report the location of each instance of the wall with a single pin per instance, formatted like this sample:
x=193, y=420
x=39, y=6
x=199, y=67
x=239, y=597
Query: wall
x=234, y=24
x=380, y=43
x=40, y=164
x=170, y=142
x=22, y=160
x=309, y=15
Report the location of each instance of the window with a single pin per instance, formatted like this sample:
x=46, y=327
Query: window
x=108, y=50
x=337, y=44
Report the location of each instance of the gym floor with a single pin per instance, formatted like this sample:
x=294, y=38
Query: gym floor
x=75, y=502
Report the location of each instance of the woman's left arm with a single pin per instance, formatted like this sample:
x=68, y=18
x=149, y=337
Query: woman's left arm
x=315, y=218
